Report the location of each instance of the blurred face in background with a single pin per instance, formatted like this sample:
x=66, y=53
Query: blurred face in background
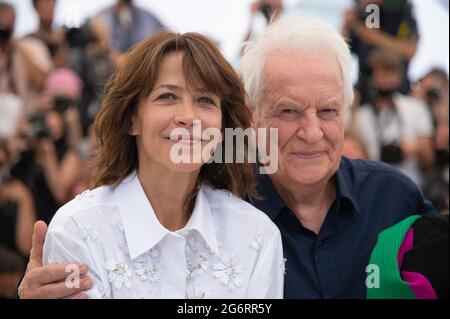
x=277, y=5
x=6, y=25
x=432, y=81
x=271, y=9
x=353, y=148
x=433, y=89
x=55, y=124
x=385, y=80
x=45, y=10
x=125, y=2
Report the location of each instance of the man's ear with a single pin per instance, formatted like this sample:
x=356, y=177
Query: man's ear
x=252, y=109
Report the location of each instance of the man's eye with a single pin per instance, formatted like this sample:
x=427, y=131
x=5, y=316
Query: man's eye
x=288, y=114
x=328, y=113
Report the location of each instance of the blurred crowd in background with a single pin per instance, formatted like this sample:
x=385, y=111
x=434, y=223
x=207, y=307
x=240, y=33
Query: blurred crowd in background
x=51, y=83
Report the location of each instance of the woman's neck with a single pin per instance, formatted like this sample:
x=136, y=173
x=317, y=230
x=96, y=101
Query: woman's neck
x=167, y=191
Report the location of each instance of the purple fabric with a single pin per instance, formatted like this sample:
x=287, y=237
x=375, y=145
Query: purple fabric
x=406, y=246
x=419, y=284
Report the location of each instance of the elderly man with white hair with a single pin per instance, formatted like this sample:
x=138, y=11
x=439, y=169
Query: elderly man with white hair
x=328, y=208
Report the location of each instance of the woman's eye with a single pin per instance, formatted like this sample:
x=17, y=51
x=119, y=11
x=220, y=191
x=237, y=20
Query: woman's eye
x=328, y=113
x=167, y=97
x=206, y=100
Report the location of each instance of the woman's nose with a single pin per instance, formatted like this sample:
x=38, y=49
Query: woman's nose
x=185, y=114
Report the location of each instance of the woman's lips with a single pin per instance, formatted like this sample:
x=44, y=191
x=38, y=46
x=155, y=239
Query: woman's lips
x=186, y=141
x=308, y=155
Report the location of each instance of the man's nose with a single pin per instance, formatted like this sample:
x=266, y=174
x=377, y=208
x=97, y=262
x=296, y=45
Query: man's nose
x=310, y=129
x=185, y=114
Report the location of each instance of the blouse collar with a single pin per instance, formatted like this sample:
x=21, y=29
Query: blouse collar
x=141, y=226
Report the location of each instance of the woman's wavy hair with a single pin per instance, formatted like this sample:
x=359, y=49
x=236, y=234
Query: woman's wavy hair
x=203, y=66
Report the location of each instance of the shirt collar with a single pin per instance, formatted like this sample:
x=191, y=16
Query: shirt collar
x=272, y=204
x=344, y=187
x=201, y=221
x=141, y=226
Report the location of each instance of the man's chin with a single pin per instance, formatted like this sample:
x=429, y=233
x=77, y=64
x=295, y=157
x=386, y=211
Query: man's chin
x=307, y=175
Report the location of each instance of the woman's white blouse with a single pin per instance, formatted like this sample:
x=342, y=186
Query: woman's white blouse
x=228, y=248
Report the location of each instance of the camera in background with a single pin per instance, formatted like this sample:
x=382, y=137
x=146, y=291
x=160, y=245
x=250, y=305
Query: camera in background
x=61, y=103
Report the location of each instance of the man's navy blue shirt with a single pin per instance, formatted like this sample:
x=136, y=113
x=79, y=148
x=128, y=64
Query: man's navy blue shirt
x=370, y=197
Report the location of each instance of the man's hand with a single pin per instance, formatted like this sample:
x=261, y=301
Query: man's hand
x=49, y=282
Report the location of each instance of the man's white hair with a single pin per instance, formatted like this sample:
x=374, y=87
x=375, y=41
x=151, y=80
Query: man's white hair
x=293, y=32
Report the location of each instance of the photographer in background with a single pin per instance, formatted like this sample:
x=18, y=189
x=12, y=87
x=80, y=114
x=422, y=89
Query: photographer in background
x=432, y=89
x=17, y=212
x=397, y=32
x=24, y=63
x=49, y=159
x=126, y=24
x=395, y=128
x=63, y=92
x=45, y=32
x=86, y=51
x=262, y=11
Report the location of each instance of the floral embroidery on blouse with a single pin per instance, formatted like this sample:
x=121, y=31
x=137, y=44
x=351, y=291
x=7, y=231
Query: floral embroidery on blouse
x=148, y=266
x=228, y=274
x=196, y=291
x=256, y=243
x=120, y=226
x=91, y=232
x=197, y=253
x=119, y=274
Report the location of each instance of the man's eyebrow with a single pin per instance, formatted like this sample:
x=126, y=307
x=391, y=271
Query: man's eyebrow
x=333, y=101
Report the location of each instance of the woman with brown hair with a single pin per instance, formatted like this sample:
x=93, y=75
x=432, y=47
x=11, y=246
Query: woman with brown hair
x=154, y=227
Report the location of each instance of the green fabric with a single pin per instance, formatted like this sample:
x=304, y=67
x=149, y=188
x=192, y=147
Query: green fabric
x=384, y=255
